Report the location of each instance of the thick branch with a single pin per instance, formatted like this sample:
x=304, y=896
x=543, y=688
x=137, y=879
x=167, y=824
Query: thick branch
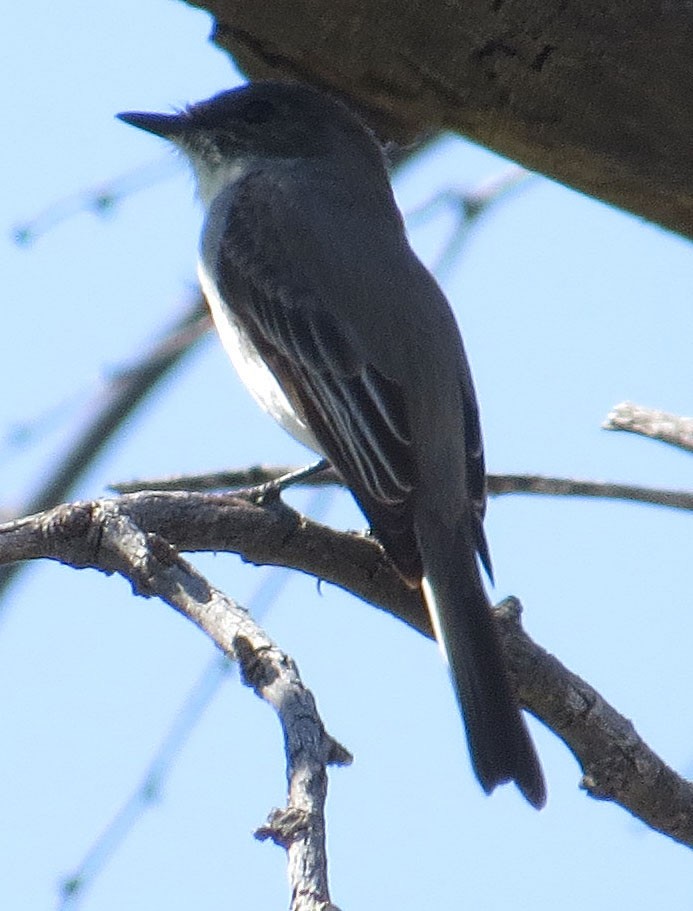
x=598, y=94
x=616, y=764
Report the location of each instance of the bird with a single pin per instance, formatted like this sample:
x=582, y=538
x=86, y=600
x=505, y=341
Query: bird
x=345, y=338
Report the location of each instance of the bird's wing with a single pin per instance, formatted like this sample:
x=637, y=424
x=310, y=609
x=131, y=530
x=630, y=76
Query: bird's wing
x=357, y=414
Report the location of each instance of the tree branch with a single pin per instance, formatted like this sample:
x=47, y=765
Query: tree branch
x=103, y=536
x=617, y=765
x=648, y=422
x=497, y=484
x=603, y=490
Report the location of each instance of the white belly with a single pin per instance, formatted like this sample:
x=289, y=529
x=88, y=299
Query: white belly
x=257, y=377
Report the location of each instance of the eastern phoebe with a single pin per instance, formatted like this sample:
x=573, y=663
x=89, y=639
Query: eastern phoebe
x=345, y=338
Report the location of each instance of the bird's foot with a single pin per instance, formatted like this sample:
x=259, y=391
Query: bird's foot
x=271, y=490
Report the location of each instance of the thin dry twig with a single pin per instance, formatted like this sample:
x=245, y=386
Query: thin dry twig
x=617, y=765
x=573, y=487
x=468, y=207
x=101, y=200
x=657, y=425
x=497, y=484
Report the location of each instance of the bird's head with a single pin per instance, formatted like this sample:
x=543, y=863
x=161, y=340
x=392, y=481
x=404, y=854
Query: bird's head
x=261, y=122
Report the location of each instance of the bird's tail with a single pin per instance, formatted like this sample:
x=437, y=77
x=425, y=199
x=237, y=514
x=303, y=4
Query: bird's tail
x=499, y=743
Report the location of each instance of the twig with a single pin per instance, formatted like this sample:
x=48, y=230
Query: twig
x=617, y=765
x=572, y=487
x=73, y=887
x=648, y=422
x=498, y=485
x=469, y=206
x=99, y=200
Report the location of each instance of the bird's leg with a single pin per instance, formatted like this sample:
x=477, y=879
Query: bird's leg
x=272, y=489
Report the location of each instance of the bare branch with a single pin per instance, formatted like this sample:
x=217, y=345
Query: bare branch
x=99, y=200
x=468, y=206
x=617, y=765
x=149, y=790
x=103, y=536
x=648, y=422
x=498, y=485
x=571, y=487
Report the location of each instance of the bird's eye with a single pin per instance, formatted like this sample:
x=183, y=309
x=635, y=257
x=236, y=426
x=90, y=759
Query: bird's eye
x=259, y=110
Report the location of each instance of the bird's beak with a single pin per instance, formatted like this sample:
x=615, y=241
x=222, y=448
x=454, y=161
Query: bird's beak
x=169, y=126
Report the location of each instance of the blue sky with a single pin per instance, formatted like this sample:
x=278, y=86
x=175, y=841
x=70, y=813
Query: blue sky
x=567, y=307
